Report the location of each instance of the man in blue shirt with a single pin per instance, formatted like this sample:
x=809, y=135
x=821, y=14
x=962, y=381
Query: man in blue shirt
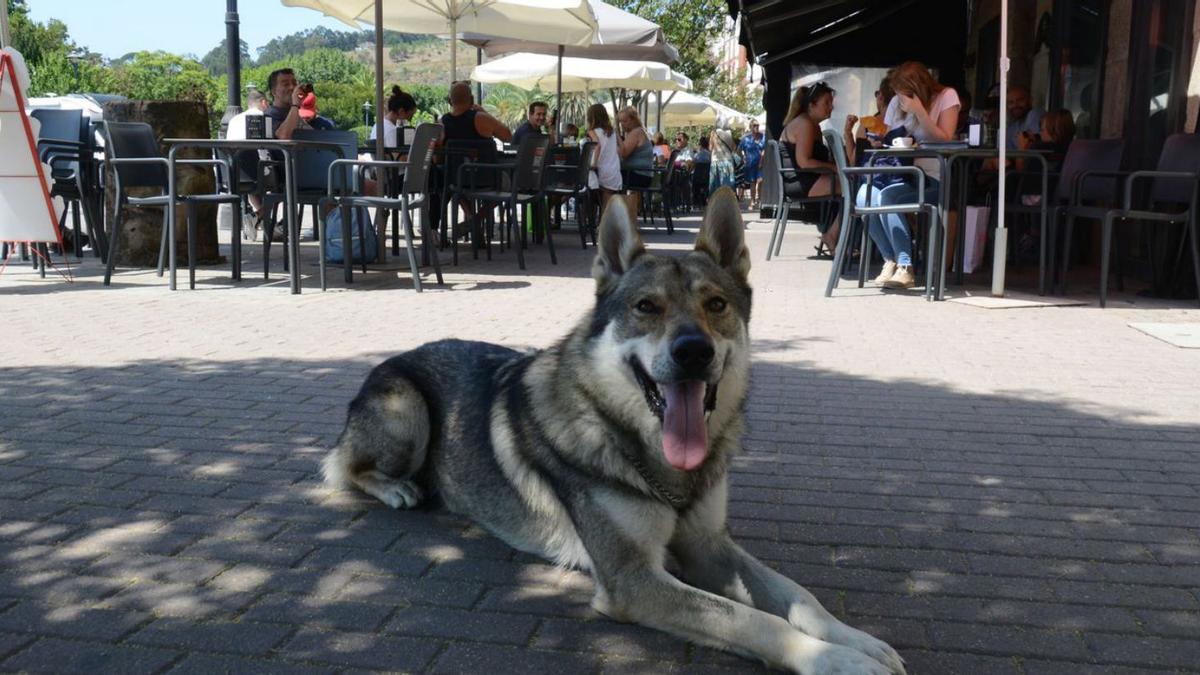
x=534, y=122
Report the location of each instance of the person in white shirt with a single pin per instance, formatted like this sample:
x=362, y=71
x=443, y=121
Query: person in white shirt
x=931, y=114
x=401, y=107
x=605, y=175
x=247, y=164
x=256, y=104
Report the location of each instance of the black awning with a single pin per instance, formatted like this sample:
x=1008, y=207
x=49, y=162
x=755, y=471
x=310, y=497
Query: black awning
x=867, y=33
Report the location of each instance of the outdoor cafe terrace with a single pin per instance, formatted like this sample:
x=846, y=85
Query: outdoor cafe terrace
x=989, y=483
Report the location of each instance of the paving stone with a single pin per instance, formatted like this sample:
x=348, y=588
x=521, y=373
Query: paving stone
x=245, y=638
x=206, y=664
x=361, y=650
x=479, y=657
x=52, y=655
x=609, y=637
x=455, y=624
x=318, y=612
x=72, y=621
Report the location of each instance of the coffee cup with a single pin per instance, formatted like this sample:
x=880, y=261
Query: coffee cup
x=902, y=142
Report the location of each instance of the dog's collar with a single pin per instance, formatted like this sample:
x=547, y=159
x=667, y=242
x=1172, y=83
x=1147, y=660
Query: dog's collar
x=659, y=490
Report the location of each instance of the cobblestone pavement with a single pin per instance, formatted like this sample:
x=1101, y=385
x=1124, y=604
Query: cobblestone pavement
x=992, y=491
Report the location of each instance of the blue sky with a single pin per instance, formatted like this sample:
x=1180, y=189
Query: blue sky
x=116, y=27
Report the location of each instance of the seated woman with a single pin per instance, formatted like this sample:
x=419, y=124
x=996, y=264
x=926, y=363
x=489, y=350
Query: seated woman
x=636, y=152
x=401, y=107
x=662, y=151
x=801, y=138
x=931, y=114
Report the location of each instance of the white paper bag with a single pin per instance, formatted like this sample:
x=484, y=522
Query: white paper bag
x=975, y=234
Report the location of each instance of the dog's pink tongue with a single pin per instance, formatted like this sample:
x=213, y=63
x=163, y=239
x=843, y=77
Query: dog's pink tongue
x=685, y=436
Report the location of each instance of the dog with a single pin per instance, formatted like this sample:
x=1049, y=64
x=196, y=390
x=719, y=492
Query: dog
x=609, y=451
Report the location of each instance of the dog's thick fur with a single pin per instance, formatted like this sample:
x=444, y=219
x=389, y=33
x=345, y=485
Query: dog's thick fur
x=565, y=453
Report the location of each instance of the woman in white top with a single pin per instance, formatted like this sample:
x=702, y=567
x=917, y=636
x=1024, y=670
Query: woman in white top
x=931, y=114
x=605, y=175
x=401, y=107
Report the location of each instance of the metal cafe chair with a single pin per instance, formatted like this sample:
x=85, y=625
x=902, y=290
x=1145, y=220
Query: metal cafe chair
x=577, y=187
x=850, y=210
x=133, y=152
x=526, y=187
x=413, y=194
x=775, y=181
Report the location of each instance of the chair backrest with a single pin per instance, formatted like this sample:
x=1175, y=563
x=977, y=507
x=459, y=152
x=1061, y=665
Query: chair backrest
x=531, y=162
x=584, y=167
x=1090, y=154
x=1181, y=152
x=837, y=151
x=565, y=176
x=670, y=172
x=131, y=140
x=57, y=124
x=461, y=151
x=772, y=185
x=312, y=164
x=420, y=158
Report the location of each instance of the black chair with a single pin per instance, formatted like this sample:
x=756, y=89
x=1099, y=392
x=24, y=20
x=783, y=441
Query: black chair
x=850, y=210
x=577, y=187
x=311, y=181
x=458, y=152
x=526, y=187
x=661, y=185
x=413, y=193
x=700, y=173
x=64, y=144
x=1173, y=194
x=1084, y=187
x=133, y=152
x=778, y=172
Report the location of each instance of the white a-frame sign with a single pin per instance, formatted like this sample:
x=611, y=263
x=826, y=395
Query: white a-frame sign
x=26, y=211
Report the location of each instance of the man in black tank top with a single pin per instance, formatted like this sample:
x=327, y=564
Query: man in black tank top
x=468, y=121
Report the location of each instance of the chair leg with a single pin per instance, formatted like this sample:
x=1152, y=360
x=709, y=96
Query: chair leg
x=520, y=243
x=452, y=219
x=430, y=243
x=782, y=231
x=549, y=236
x=191, y=242
x=1066, y=259
x=395, y=232
x=162, y=244
x=668, y=205
x=1105, y=251
x=362, y=235
x=78, y=231
x=112, y=243
x=322, y=245
x=347, y=246
x=408, y=243
x=864, y=251
x=1192, y=234
x=840, y=253
x=581, y=220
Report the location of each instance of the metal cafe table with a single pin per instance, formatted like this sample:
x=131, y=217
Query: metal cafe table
x=948, y=156
x=286, y=148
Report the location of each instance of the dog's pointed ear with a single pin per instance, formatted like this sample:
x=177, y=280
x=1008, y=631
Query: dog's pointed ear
x=722, y=236
x=619, y=243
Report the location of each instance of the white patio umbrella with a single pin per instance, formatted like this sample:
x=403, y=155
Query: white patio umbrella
x=620, y=35
x=570, y=21
x=530, y=71
x=684, y=109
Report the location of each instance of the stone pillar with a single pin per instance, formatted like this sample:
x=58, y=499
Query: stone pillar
x=141, y=228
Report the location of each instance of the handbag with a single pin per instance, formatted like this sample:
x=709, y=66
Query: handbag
x=739, y=165
x=882, y=180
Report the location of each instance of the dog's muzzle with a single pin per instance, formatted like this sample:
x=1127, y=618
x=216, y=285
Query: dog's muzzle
x=683, y=408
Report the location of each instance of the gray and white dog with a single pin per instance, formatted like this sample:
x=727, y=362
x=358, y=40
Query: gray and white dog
x=609, y=451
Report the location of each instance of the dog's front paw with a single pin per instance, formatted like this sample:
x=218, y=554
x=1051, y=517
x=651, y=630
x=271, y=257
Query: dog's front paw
x=868, y=644
x=825, y=658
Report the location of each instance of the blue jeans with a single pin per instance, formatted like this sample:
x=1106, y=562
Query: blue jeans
x=889, y=231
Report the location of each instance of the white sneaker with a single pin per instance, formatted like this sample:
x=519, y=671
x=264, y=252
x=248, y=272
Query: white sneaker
x=889, y=269
x=903, y=278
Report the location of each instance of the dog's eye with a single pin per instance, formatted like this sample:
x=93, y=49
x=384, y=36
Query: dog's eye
x=716, y=305
x=646, y=307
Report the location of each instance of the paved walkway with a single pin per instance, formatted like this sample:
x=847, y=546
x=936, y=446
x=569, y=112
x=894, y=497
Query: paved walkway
x=992, y=491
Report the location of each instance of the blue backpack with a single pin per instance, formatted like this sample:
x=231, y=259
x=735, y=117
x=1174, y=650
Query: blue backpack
x=334, y=250
x=882, y=180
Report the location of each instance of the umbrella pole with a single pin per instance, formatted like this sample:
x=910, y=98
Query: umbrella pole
x=380, y=141
x=5, y=40
x=1000, y=253
x=479, y=85
x=558, y=97
x=453, y=49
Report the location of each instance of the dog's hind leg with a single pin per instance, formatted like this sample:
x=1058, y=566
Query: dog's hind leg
x=384, y=443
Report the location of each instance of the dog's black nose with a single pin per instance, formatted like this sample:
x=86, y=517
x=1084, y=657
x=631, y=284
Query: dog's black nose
x=692, y=352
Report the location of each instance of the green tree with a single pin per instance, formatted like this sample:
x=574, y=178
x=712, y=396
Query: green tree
x=216, y=62
x=691, y=26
